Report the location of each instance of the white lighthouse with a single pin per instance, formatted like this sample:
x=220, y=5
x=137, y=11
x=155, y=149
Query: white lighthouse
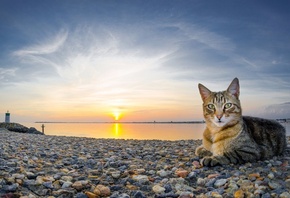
x=7, y=117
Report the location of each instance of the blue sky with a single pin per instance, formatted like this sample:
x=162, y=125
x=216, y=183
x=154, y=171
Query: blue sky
x=141, y=60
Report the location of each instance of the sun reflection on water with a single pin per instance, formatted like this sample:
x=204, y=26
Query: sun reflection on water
x=117, y=130
x=124, y=131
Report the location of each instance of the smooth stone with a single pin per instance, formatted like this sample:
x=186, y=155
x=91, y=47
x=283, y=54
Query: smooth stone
x=284, y=195
x=274, y=185
x=77, y=185
x=18, y=176
x=67, y=178
x=220, y=182
x=48, y=184
x=192, y=175
x=116, y=174
x=141, y=178
x=30, y=175
x=66, y=184
x=181, y=173
x=239, y=194
x=158, y=189
x=102, y=190
x=162, y=173
x=201, y=182
x=211, y=176
x=139, y=194
x=216, y=195
x=270, y=176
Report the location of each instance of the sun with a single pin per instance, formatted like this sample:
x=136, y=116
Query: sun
x=116, y=115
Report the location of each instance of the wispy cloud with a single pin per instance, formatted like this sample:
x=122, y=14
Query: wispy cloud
x=48, y=46
x=209, y=38
x=97, y=67
x=141, y=62
x=274, y=111
x=6, y=74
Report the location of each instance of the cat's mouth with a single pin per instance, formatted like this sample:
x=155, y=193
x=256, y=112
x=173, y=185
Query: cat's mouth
x=219, y=122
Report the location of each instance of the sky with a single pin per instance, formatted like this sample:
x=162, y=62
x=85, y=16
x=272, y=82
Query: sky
x=132, y=60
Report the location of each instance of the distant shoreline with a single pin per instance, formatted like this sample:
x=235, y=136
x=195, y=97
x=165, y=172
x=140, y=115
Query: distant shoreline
x=117, y=122
x=143, y=122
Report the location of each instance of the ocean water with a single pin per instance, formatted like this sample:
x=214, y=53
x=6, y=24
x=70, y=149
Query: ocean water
x=141, y=131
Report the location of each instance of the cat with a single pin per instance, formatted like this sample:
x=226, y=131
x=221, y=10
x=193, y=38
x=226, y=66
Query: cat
x=229, y=137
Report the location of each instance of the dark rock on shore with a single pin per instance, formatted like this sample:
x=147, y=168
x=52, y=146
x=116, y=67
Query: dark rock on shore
x=15, y=127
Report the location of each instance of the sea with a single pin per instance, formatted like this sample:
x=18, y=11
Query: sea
x=139, y=131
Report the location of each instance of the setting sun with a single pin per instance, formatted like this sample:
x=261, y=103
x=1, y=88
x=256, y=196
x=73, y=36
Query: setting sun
x=116, y=115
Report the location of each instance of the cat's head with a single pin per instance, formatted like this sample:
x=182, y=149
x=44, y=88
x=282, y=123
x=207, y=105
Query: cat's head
x=221, y=108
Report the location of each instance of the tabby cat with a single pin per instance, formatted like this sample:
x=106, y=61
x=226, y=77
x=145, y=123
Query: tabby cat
x=230, y=137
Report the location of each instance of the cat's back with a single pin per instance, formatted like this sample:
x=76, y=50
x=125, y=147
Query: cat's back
x=263, y=125
x=264, y=132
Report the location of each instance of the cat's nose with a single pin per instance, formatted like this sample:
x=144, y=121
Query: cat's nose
x=219, y=117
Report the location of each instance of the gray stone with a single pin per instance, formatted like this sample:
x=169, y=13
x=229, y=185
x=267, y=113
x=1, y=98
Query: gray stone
x=11, y=188
x=220, y=183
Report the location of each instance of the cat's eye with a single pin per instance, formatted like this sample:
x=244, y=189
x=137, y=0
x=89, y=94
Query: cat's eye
x=228, y=105
x=210, y=106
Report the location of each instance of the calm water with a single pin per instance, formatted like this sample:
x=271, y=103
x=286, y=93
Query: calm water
x=127, y=131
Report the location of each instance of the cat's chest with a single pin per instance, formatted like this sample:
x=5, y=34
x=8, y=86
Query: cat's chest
x=223, y=141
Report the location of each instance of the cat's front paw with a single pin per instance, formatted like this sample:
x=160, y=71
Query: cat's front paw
x=202, y=152
x=214, y=161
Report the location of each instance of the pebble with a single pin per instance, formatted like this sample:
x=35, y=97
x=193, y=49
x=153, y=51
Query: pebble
x=158, y=189
x=220, y=183
x=181, y=173
x=34, y=165
x=141, y=178
x=102, y=190
x=66, y=185
x=116, y=174
x=274, y=185
x=270, y=176
x=239, y=194
x=162, y=173
x=285, y=195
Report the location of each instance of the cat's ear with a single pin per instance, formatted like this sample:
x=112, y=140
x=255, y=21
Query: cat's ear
x=204, y=92
x=234, y=88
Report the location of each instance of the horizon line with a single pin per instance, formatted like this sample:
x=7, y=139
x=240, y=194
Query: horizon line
x=126, y=122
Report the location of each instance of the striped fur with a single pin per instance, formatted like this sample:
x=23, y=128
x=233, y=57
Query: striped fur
x=229, y=137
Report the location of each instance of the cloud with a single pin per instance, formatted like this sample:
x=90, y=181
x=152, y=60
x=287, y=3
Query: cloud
x=134, y=63
x=275, y=111
x=148, y=66
x=6, y=74
x=48, y=46
x=209, y=38
x=98, y=51
x=96, y=66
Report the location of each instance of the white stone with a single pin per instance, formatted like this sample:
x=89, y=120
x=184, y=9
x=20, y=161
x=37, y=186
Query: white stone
x=158, y=189
x=220, y=183
x=142, y=178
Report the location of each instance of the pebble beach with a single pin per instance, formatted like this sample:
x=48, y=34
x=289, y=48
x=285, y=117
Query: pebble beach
x=33, y=165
